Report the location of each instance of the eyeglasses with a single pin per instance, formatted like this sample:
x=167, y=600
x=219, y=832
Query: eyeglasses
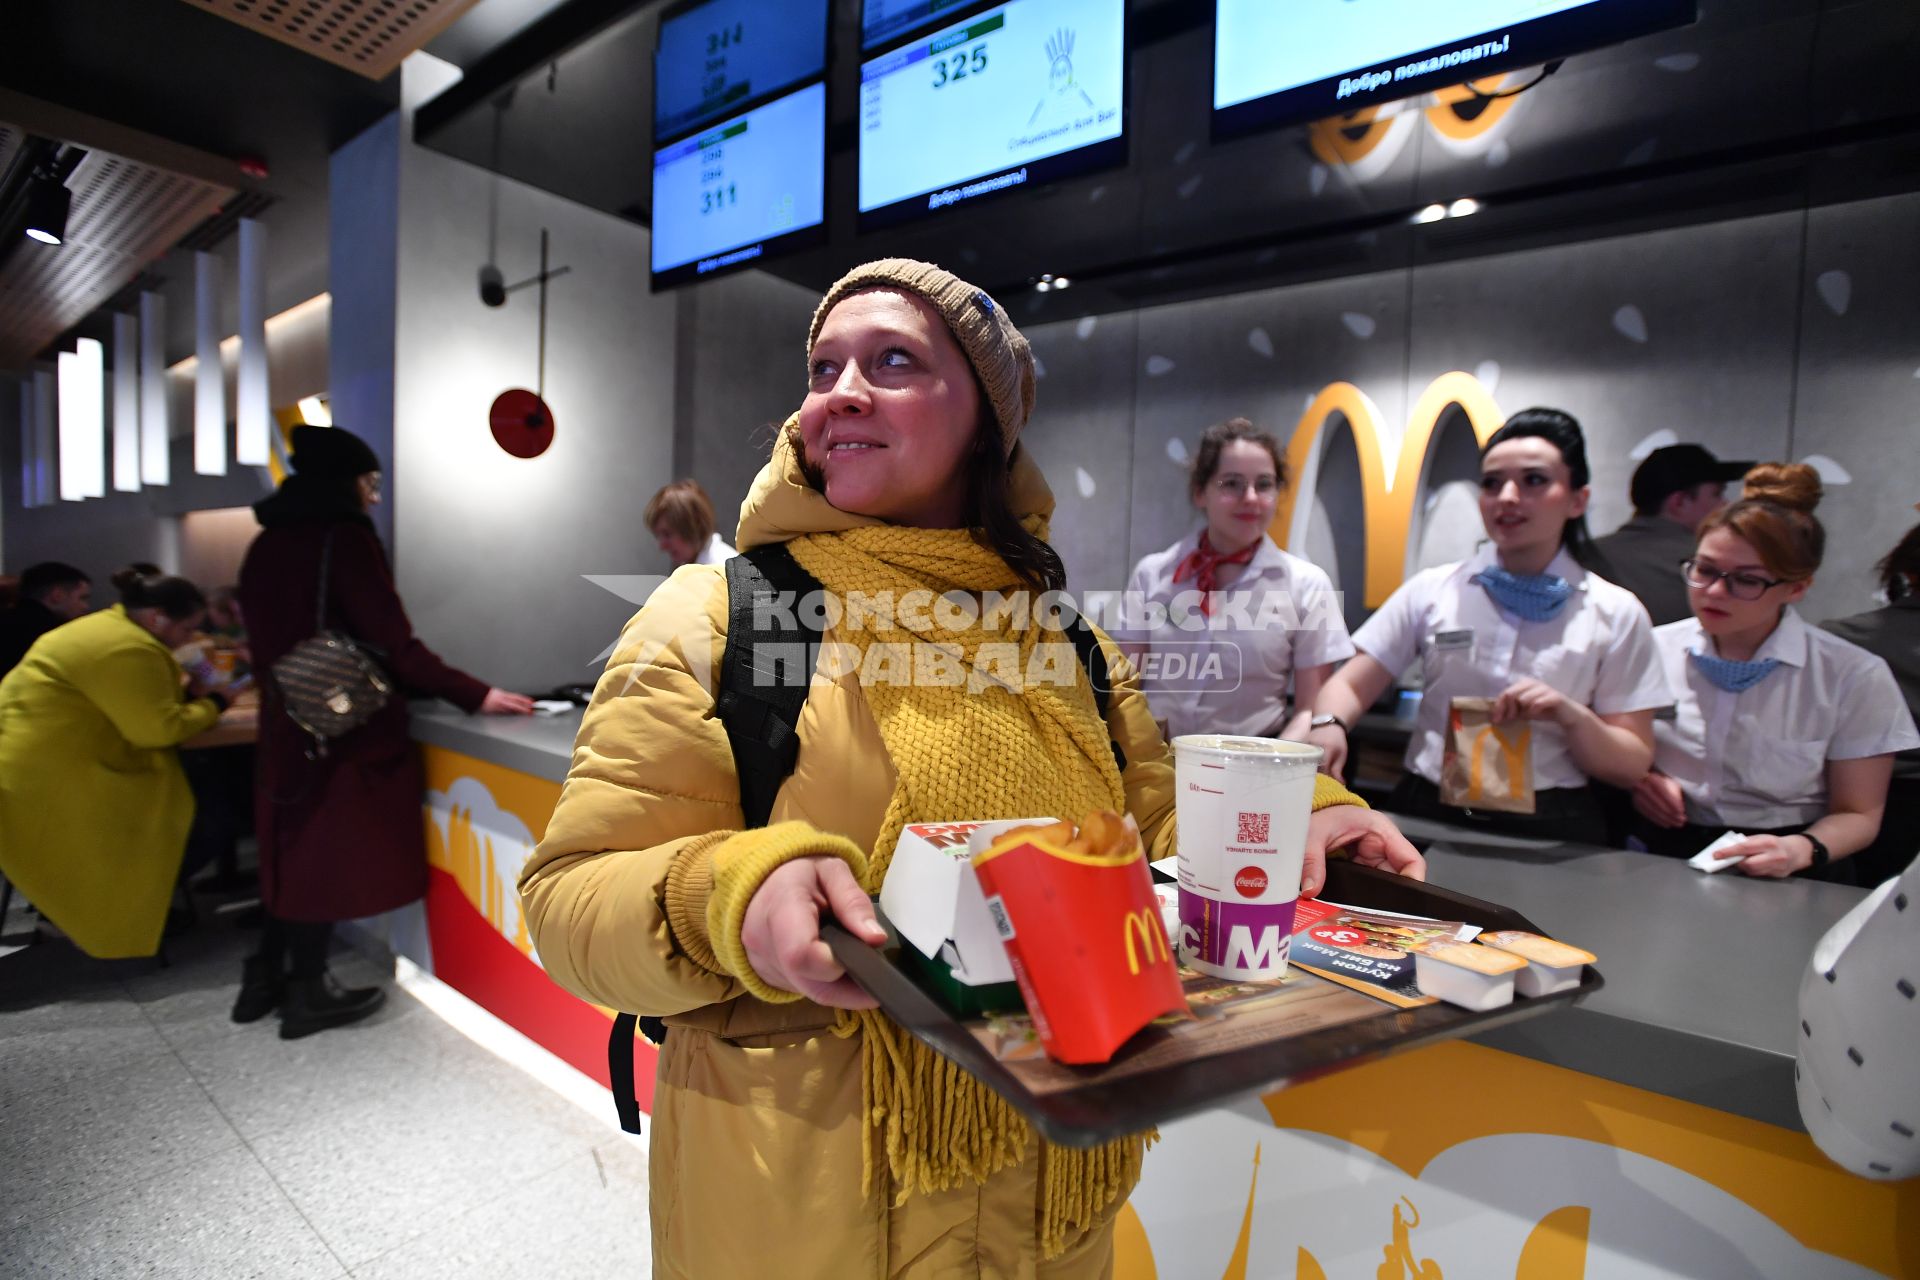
x=1234, y=486
x=1741, y=586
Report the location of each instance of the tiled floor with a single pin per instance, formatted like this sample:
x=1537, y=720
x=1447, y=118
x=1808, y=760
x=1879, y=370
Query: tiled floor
x=143, y=1133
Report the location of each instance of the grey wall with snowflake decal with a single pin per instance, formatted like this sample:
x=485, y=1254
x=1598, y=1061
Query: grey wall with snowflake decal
x=1787, y=335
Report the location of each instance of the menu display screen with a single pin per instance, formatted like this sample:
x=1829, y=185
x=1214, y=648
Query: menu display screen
x=750, y=184
x=717, y=57
x=1014, y=95
x=1275, y=63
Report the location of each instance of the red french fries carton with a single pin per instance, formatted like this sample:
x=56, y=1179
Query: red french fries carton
x=1082, y=930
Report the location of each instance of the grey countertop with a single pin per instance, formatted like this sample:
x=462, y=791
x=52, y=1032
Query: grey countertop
x=540, y=745
x=1702, y=972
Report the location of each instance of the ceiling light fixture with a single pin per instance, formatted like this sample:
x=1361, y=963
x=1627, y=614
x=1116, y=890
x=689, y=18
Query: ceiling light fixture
x=48, y=202
x=1463, y=207
x=1432, y=213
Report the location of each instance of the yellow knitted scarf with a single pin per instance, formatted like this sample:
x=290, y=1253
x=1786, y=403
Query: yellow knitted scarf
x=960, y=754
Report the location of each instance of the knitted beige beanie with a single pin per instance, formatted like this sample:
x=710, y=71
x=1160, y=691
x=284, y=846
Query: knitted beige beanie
x=997, y=350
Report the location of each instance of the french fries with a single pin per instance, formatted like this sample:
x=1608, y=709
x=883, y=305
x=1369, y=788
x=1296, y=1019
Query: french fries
x=1104, y=834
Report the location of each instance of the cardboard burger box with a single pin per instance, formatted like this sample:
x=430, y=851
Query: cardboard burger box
x=935, y=904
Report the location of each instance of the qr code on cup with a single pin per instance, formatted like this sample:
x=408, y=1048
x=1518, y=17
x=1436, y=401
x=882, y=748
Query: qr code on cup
x=1254, y=828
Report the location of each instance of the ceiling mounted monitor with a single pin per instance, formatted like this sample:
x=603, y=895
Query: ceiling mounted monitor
x=1281, y=63
x=717, y=58
x=1013, y=96
x=882, y=21
x=751, y=185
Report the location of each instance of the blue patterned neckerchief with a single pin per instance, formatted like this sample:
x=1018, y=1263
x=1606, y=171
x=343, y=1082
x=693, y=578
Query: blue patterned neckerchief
x=1536, y=597
x=1731, y=675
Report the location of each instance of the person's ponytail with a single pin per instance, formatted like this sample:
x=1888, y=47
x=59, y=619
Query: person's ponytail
x=175, y=597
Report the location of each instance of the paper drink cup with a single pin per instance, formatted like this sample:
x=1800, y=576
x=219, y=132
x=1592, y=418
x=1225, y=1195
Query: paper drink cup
x=1242, y=807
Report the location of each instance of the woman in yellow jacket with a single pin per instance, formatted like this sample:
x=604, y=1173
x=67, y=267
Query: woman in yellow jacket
x=94, y=807
x=796, y=1131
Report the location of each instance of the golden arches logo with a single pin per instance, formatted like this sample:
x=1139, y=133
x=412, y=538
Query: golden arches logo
x=1388, y=503
x=1513, y=754
x=1463, y=113
x=1152, y=937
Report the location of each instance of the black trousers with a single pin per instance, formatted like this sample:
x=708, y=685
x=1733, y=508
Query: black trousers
x=1685, y=841
x=1899, y=838
x=297, y=948
x=1568, y=814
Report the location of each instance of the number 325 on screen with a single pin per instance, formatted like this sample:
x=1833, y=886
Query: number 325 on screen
x=958, y=66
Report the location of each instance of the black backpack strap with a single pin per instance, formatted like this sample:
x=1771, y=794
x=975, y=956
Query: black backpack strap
x=620, y=1071
x=1086, y=647
x=766, y=671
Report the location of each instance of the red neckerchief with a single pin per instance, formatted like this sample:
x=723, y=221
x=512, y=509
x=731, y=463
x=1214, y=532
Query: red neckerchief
x=1204, y=562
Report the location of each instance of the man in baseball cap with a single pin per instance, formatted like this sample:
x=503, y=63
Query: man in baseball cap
x=1673, y=490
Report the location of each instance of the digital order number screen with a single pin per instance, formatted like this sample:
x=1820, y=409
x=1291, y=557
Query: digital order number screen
x=714, y=58
x=733, y=193
x=1018, y=94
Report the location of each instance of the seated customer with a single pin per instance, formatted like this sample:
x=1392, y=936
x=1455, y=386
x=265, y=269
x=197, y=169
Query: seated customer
x=50, y=593
x=94, y=809
x=1674, y=490
x=1522, y=623
x=680, y=517
x=1781, y=732
x=1893, y=634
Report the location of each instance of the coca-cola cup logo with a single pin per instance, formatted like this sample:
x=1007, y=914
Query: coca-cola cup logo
x=1250, y=882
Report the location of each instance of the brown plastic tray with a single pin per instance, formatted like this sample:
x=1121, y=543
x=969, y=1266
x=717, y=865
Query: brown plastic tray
x=1112, y=1100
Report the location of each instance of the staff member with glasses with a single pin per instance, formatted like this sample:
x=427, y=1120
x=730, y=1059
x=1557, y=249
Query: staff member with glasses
x=1780, y=731
x=1223, y=621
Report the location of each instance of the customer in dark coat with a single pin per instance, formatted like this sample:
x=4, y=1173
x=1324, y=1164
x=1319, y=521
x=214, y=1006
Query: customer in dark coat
x=341, y=834
x=50, y=593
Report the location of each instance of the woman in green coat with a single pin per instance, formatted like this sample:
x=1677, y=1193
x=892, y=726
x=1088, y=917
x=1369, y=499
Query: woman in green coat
x=94, y=807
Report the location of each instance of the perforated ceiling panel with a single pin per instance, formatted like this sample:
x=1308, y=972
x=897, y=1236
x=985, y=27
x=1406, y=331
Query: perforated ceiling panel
x=124, y=215
x=367, y=36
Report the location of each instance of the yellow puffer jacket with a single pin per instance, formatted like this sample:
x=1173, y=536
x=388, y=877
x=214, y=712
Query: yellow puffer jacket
x=94, y=807
x=757, y=1143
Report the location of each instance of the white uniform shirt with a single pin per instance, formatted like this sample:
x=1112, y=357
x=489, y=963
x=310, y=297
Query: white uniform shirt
x=1758, y=759
x=715, y=552
x=1229, y=672
x=1599, y=652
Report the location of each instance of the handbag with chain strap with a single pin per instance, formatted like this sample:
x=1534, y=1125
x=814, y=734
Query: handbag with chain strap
x=330, y=683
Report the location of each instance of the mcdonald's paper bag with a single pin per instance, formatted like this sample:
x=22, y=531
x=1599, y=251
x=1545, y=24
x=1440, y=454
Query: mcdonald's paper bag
x=1487, y=766
x=1083, y=933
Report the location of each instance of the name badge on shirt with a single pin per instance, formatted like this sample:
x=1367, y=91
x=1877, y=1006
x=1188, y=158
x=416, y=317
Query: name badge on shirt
x=1462, y=639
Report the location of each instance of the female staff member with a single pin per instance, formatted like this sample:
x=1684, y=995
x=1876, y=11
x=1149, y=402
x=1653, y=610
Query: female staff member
x=1524, y=624
x=860, y=1153
x=340, y=833
x=1781, y=731
x=1237, y=478
x=94, y=808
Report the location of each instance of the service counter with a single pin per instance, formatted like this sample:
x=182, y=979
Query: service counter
x=1650, y=1132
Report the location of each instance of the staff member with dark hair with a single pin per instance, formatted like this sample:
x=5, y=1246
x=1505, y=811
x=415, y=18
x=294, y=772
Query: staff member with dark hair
x=1524, y=623
x=1892, y=633
x=50, y=593
x=1674, y=490
x=1213, y=598
x=94, y=807
x=1781, y=731
x=340, y=834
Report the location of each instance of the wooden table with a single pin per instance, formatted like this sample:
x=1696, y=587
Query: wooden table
x=238, y=726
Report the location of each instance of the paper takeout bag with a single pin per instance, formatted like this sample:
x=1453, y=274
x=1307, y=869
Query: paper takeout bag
x=1486, y=766
x=1085, y=940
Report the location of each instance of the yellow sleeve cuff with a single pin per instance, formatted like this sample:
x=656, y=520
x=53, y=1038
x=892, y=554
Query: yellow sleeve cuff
x=1327, y=793
x=740, y=864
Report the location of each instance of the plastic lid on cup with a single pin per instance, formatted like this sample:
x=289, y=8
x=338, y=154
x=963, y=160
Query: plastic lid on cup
x=1256, y=752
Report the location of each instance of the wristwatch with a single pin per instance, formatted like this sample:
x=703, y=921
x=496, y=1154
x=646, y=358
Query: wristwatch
x=1820, y=855
x=1324, y=719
